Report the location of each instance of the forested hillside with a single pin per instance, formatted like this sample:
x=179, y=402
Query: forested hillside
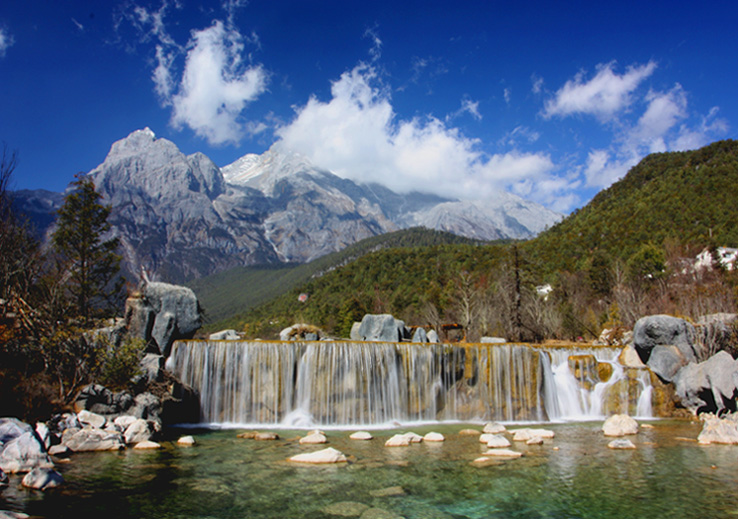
x=627, y=253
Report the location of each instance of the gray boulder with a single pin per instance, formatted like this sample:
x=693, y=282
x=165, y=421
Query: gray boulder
x=147, y=407
x=42, y=478
x=420, y=335
x=382, y=328
x=100, y=400
x=163, y=313
x=433, y=337
x=21, y=450
x=90, y=439
x=224, y=335
x=139, y=431
x=666, y=361
x=710, y=386
x=152, y=369
x=663, y=330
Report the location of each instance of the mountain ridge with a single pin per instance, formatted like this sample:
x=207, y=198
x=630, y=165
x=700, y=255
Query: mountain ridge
x=182, y=217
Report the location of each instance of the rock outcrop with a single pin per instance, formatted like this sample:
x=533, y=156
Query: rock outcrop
x=710, y=386
x=664, y=330
x=21, y=450
x=381, y=328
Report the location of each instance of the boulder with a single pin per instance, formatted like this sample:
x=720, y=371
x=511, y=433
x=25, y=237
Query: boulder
x=224, y=335
x=710, y=386
x=534, y=440
x=186, y=441
x=629, y=358
x=100, y=400
x=123, y=422
x=42, y=479
x=329, y=455
x=498, y=441
x=717, y=430
x=432, y=337
x=361, y=435
x=621, y=443
x=45, y=435
x=151, y=369
x=666, y=361
x=494, y=428
x=6, y=514
x=95, y=420
x=413, y=437
x=147, y=445
x=398, y=440
x=21, y=450
x=60, y=451
x=163, y=313
x=138, y=431
x=314, y=438
x=89, y=439
x=420, y=335
x=524, y=435
x=381, y=328
x=656, y=330
x=433, y=437
x=147, y=406
x=492, y=340
x=620, y=425
x=301, y=332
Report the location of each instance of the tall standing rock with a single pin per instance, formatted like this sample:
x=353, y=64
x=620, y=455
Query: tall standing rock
x=163, y=313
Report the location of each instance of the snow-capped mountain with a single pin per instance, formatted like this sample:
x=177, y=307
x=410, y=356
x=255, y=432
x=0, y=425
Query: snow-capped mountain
x=182, y=217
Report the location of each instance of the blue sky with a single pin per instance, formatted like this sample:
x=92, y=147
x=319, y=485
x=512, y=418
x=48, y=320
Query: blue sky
x=552, y=101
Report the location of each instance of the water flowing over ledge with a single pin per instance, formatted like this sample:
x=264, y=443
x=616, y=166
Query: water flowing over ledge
x=343, y=383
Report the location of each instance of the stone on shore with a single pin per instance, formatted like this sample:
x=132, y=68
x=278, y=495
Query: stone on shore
x=717, y=430
x=138, y=431
x=41, y=479
x=535, y=440
x=361, y=435
x=413, y=437
x=313, y=439
x=329, y=455
x=620, y=425
x=433, y=437
x=60, y=451
x=89, y=439
x=621, y=443
x=21, y=450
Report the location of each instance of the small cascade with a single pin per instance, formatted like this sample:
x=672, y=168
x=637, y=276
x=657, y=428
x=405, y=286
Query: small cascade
x=304, y=384
x=591, y=384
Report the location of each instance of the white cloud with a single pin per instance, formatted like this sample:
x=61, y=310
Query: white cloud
x=215, y=86
x=507, y=94
x=6, y=41
x=467, y=107
x=606, y=94
x=357, y=135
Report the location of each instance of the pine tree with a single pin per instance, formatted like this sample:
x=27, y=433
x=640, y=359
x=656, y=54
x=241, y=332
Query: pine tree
x=90, y=262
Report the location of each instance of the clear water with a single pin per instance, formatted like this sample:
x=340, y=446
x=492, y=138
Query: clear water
x=226, y=477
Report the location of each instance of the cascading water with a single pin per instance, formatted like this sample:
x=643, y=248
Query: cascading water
x=303, y=384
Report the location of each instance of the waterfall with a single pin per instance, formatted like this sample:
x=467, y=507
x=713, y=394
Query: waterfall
x=304, y=384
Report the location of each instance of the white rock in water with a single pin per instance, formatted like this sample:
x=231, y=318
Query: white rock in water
x=523, y=435
x=398, y=440
x=620, y=425
x=41, y=479
x=313, y=438
x=329, y=455
x=414, y=438
x=494, y=428
x=361, y=435
x=535, y=440
x=498, y=442
x=716, y=430
x=433, y=437
x=503, y=453
x=187, y=441
x=622, y=443
x=147, y=445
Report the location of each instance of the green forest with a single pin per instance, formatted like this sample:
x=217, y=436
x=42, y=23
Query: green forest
x=628, y=253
